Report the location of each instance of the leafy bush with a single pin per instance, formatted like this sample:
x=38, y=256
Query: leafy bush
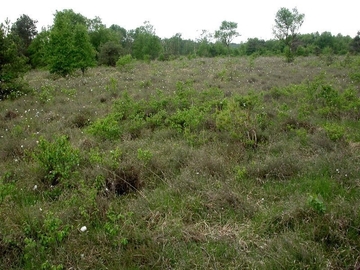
x=316, y=203
x=125, y=62
x=57, y=159
x=42, y=239
x=106, y=128
x=334, y=131
x=109, y=53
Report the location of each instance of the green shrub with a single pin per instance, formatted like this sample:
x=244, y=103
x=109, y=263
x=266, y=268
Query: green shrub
x=57, y=159
x=42, y=239
x=316, y=203
x=334, y=131
x=125, y=62
x=289, y=55
x=107, y=128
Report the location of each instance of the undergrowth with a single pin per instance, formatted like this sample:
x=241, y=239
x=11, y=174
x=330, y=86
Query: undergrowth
x=190, y=163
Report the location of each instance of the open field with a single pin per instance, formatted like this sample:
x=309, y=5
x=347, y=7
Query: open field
x=223, y=163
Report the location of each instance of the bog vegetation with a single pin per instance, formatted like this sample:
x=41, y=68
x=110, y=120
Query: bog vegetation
x=170, y=161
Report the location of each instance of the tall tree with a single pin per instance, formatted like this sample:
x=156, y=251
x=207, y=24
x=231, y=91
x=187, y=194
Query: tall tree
x=99, y=34
x=84, y=52
x=12, y=64
x=25, y=29
x=204, y=41
x=146, y=43
x=355, y=44
x=109, y=53
x=227, y=33
x=37, y=49
x=69, y=45
x=287, y=25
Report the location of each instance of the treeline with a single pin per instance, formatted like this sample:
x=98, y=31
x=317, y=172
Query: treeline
x=76, y=42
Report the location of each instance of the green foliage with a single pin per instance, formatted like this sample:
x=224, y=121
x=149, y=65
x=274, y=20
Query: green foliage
x=334, y=131
x=25, y=29
x=287, y=25
x=125, y=62
x=69, y=44
x=146, y=44
x=12, y=65
x=46, y=93
x=316, y=203
x=37, y=49
x=84, y=54
x=226, y=33
x=112, y=86
x=239, y=119
x=144, y=155
x=221, y=176
x=113, y=229
x=58, y=159
x=109, y=53
x=101, y=35
x=107, y=128
x=6, y=189
x=43, y=240
x=289, y=56
x=355, y=43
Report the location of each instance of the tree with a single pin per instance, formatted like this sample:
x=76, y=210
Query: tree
x=255, y=45
x=146, y=44
x=69, y=44
x=12, y=64
x=227, y=33
x=204, y=41
x=287, y=25
x=99, y=34
x=38, y=48
x=25, y=29
x=84, y=52
x=110, y=53
x=355, y=44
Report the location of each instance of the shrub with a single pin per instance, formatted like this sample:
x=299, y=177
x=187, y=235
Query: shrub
x=125, y=62
x=57, y=159
x=106, y=128
x=109, y=53
x=334, y=131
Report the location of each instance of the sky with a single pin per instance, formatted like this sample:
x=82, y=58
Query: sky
x=255, y=18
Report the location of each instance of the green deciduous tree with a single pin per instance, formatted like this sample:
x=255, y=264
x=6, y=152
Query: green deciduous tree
x=204, y=42
x=38, y=48
x=84, y=52
x=146, y=44
x=100, y=35
x=110, y=53
x=227, y=33
x=69, y=44
x=287, y=25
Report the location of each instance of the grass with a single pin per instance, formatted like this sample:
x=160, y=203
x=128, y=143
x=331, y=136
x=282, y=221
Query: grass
x=220, y=163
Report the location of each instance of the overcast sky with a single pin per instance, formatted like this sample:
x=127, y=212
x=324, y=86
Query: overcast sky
x=255, y=18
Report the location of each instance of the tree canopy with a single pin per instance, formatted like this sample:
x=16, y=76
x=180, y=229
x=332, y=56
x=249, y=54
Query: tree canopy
x=69, y=44
x=12, y=63
x=25, y=29
x=287, y=24
x=227, y=33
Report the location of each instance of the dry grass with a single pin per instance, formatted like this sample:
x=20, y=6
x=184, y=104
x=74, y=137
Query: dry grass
x=173, y=187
